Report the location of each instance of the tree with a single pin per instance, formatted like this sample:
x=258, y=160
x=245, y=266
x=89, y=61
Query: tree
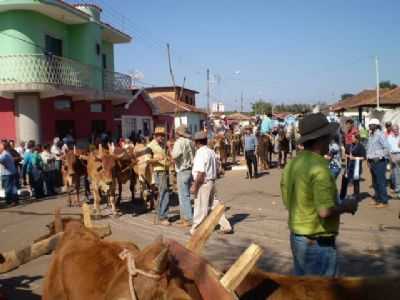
x=387, y=85
x=346, y=95
x=261, y=107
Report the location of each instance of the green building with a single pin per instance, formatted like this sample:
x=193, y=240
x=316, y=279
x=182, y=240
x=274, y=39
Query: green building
x=57, y=70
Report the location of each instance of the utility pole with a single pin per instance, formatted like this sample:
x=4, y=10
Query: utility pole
x=208, y=91
x=241, y=102
x=377, y=83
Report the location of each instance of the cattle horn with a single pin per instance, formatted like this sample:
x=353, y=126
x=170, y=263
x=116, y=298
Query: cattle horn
x=74, y=150
x=112, y=148
x=159, y=263
x=100, y=150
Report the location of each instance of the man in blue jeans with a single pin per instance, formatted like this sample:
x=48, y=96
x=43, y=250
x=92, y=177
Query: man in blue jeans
x=183, y=154
x=309, y=193
x=377, y=155
x=8, y=173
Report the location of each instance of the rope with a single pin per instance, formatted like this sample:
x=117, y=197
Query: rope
x=133, y=271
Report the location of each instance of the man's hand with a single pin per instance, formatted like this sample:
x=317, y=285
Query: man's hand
x=194, y=190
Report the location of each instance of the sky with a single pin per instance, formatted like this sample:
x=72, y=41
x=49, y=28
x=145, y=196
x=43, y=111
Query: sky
x=286, y=51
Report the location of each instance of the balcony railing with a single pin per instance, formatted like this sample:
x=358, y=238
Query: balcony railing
x=59, y=72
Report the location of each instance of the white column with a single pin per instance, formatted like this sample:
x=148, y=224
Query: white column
x=27, y=108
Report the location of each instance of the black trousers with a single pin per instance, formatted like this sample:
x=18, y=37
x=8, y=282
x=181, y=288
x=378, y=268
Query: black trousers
x=345, y=183
x=251, y=161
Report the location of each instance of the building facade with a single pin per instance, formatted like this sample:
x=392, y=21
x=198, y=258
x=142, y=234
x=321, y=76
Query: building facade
x=57, y=70
x=135, y=117
x=177, y=107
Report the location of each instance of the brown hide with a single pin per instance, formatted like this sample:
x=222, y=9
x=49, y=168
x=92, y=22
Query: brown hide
x=73, y=169
x=85, y=267
x=259, y=285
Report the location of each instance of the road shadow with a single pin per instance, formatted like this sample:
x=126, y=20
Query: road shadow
x=237, y=218
x=18, y=288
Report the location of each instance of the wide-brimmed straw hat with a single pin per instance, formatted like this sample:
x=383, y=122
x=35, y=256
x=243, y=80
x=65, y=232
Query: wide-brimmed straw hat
x=314, y=126
x=159, y=131
x=183, y=131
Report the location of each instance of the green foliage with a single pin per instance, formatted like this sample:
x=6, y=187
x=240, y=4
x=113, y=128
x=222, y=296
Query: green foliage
x=261, y=107
x=347, y=95
x=293, y=108
x=387, y=85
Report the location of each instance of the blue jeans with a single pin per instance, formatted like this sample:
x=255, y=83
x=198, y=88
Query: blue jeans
x=378, y=172
x=184, y=179
x=9, y=184
x=396, y=175
x=315, y=257
x=161, y=182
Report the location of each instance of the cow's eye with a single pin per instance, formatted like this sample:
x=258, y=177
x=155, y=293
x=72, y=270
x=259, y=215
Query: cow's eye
x=99, y=169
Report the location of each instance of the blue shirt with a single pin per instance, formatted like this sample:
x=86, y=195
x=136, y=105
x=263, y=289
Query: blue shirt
x=378, y=146
x=27, y=166
x=8, y=164
x=250, y=142
x=393, y=142
x=266, y=125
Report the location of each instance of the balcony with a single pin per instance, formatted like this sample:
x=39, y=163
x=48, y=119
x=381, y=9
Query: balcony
x=52, y=75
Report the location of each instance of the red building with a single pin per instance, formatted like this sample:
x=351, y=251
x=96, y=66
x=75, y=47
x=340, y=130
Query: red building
x=137, y=116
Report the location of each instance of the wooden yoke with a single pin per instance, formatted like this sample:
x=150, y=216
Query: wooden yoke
x=203, y=233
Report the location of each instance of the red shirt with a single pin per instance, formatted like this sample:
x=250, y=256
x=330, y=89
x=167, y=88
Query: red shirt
x=348, y=137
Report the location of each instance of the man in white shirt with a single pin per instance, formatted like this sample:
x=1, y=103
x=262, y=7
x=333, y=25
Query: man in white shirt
x=56, y=151
x=204, y=175
x=394, y=145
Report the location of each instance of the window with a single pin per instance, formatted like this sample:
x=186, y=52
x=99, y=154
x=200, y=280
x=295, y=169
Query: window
x=96, y=107
x=98, y=49
x=53, y=46
x=187, y=99
x=146, y=127
x=63, y=104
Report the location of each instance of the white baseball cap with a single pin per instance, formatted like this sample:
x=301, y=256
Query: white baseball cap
x=374, y=121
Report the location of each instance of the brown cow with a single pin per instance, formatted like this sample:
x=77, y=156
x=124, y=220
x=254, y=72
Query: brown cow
x=85, y=267
x=73, y=169
x=259, y=285
x=101, y=168
x=124, y=171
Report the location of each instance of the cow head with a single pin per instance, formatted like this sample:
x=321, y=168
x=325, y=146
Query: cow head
x=101, y=168
x=154, y=261
x=70, y=160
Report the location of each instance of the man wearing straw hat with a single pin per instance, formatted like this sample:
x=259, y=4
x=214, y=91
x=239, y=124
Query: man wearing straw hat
x=183, y=154
x=160, y=163
x=309, y=193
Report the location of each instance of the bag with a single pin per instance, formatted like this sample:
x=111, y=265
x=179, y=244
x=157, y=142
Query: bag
x=356, y=175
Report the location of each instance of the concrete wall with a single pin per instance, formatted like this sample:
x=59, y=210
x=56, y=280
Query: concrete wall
x=27, y=108
x=23, y=32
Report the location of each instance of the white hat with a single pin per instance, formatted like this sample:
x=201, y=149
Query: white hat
x=374, y=121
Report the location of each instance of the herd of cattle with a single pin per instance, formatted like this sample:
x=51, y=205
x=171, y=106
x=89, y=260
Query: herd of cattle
x=107, y=170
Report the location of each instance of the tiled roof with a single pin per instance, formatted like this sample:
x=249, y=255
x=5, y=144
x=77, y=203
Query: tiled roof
x=368, y=98
x=167, y=105
x=169, y=88
x=238, y=117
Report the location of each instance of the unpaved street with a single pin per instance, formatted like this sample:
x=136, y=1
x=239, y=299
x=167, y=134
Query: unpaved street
x=369, y=242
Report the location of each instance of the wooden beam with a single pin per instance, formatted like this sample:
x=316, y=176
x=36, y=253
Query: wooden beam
x=16, y=258
x=87, y=219
x=242, y=266
x=204, y=231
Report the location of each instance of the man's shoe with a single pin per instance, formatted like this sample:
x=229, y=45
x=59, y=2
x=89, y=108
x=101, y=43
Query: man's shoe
x=381, y=205
x=373, y=203
x=165, y=223
x=184, y=223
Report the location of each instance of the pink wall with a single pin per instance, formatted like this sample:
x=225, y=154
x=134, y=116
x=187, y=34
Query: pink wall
x=139, y=108
x=7, y=119
x=80, y=114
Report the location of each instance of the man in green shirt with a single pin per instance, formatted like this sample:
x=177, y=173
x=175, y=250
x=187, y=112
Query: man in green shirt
x=309, y=193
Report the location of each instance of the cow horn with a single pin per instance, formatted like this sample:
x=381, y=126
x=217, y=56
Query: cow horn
x=159, y=263
x=112, y=147
x=74, y=150
x=100, y=150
